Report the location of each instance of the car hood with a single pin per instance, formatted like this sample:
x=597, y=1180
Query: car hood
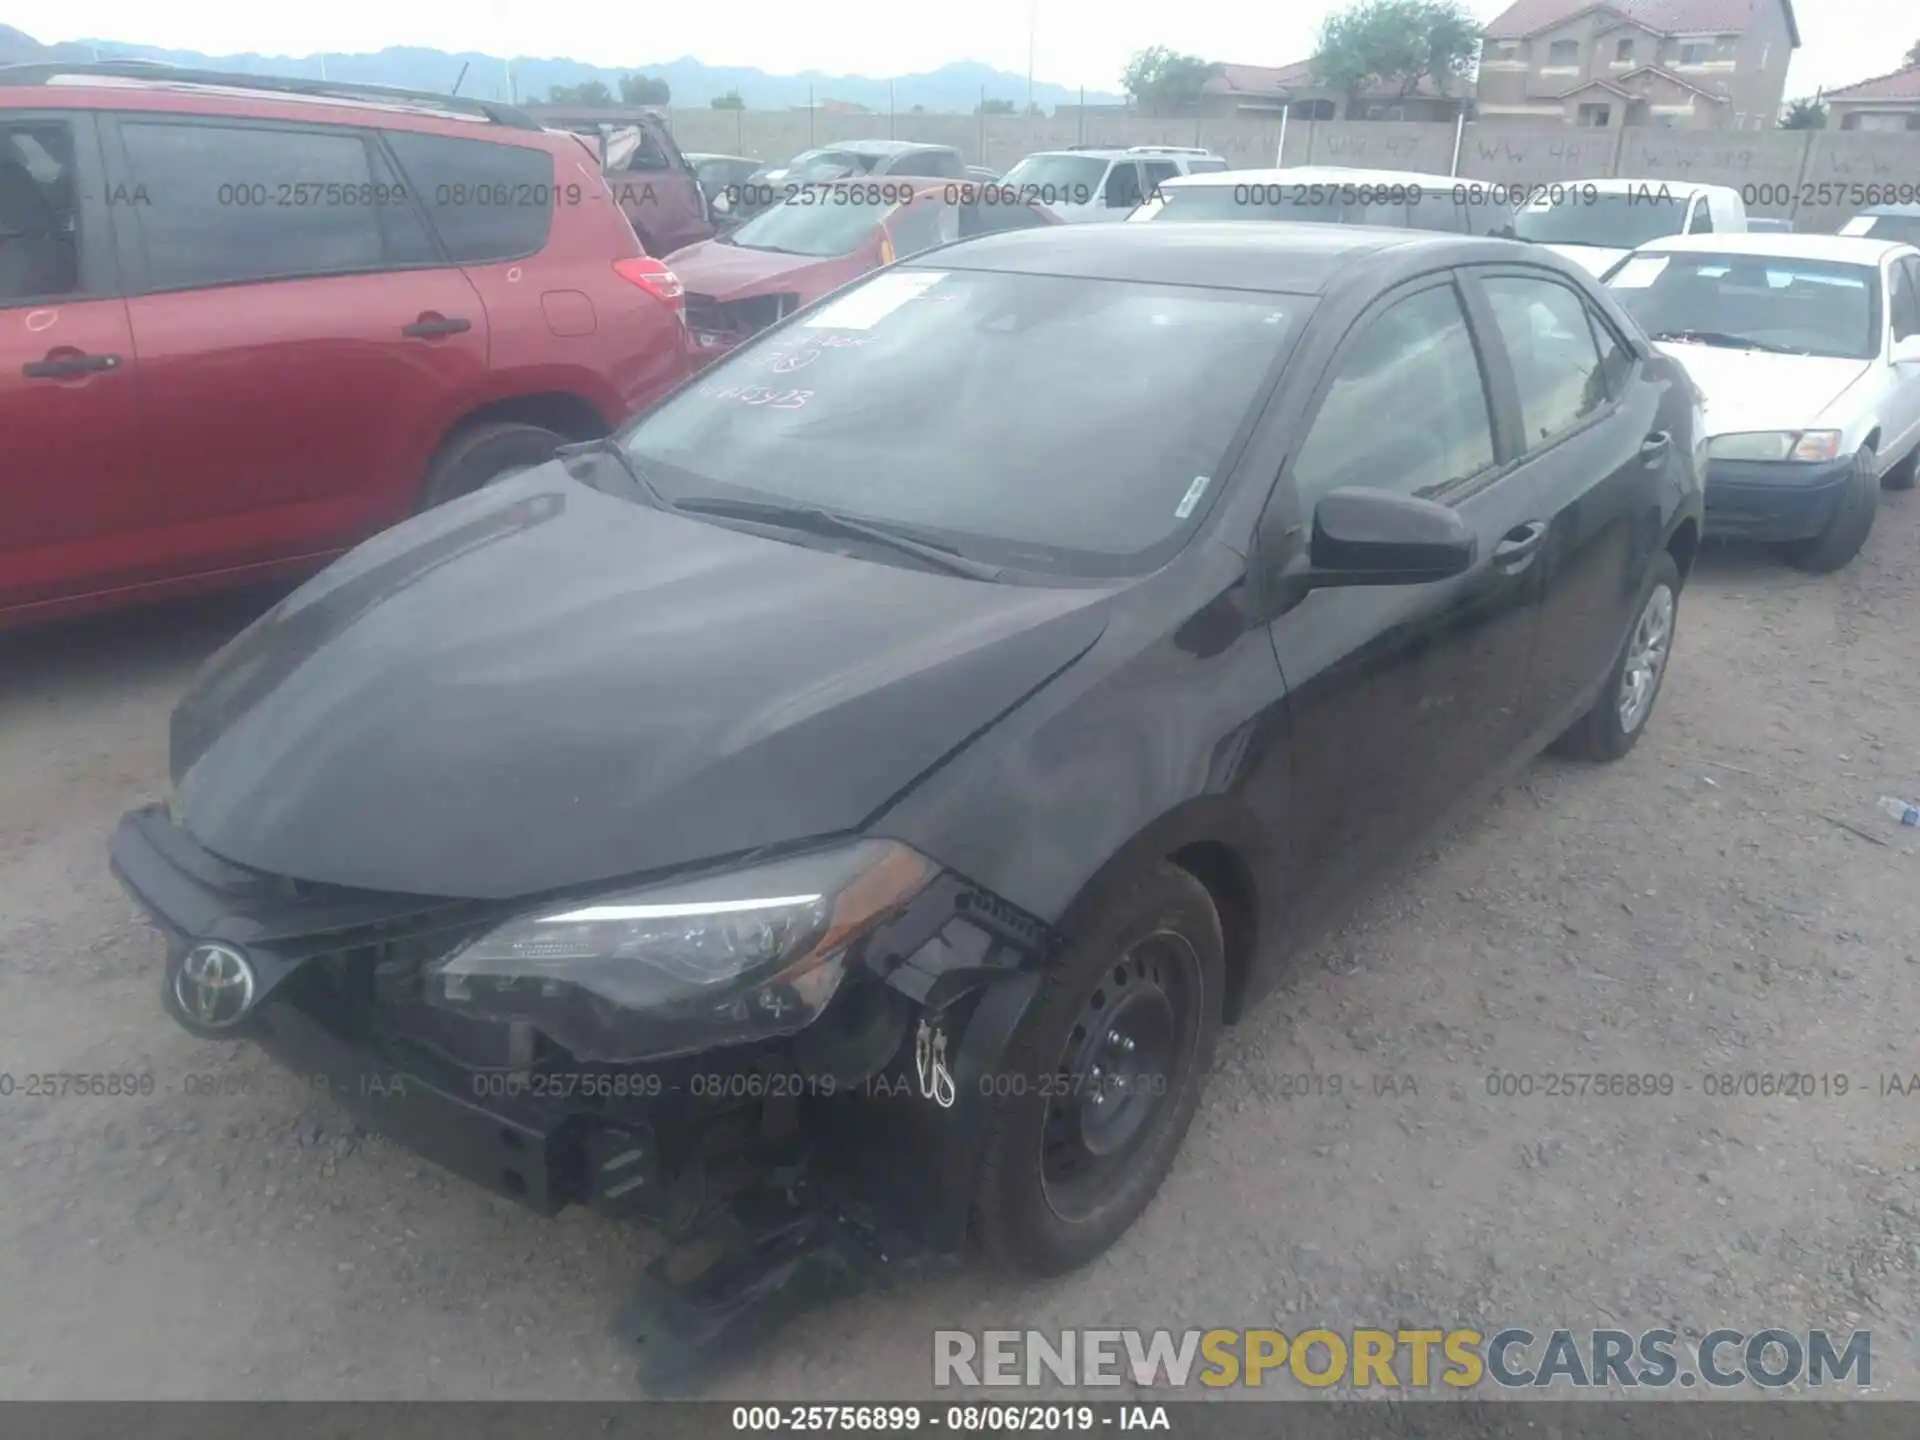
x=542, y=685
x=732, y=272
x=1753, y=390
x=1594, y=259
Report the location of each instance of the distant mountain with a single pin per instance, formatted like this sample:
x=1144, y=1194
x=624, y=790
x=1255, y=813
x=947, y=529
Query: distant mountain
x=952, y=88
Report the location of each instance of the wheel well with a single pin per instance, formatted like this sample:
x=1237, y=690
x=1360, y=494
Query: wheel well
x=1230, y=884
x=1684, y=547
x=565, y=414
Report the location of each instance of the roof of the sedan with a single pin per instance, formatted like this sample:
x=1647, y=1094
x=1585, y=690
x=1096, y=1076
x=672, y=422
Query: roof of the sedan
x=1846, y=249
x=1303, y=259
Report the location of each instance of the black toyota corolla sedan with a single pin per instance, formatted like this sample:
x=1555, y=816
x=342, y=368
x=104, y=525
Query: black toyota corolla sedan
x=849, y=801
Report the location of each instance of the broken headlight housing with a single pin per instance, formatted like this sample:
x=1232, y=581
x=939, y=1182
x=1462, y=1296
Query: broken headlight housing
x=685, y=966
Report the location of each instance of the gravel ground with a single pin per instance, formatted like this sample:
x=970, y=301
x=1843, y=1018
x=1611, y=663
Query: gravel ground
x=1701, y=907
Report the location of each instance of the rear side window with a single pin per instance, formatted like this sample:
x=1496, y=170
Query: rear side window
x=1159, y=170
x=1123, y=186
x=39, y=212
x=489, y=202
x=1906, y=301
x=216, y=204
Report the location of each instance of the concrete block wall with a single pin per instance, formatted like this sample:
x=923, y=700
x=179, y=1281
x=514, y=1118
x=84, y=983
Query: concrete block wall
x=1820, y=177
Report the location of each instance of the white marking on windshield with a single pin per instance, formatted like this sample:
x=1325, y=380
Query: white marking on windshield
x=1192, y=497
x=876, y=300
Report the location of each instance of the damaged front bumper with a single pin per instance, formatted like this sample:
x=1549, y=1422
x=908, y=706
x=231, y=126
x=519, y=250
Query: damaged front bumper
x=831, y=1153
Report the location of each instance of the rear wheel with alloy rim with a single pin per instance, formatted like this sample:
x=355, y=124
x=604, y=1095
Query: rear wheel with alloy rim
x=1620, y=714
x=1104, y=1075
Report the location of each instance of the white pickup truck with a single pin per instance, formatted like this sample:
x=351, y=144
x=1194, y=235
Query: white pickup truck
x=1595, y=223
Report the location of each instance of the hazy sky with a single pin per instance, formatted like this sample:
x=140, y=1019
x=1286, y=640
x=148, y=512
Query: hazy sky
x=1077, y=42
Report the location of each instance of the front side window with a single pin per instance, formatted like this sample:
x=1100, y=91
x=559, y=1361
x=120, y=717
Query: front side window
x=227, y=203
x=39, y=212
x=1407, y=408
x=821, y=220
x=1906, y=300
x=1057, y=179
x=1048, y=423
x=488, y=201
x=1762, y=302
x=1556, y=366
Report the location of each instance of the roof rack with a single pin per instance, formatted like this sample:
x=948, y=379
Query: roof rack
x=1168, y=150
x=43, y=72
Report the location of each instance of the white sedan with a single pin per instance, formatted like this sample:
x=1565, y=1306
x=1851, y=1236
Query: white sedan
x=1807, y=348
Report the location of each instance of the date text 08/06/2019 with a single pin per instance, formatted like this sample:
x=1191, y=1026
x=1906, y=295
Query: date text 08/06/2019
x=952, y=1419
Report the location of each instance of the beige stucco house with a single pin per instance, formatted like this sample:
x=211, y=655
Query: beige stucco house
x=1886, y=102
x=1686, y=64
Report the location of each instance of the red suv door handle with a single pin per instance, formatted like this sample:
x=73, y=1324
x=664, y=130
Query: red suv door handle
x=428, y=326
x=67, y=365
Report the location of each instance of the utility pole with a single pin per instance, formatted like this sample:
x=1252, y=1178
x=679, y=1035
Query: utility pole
x=323, y=65
x=1033, y=21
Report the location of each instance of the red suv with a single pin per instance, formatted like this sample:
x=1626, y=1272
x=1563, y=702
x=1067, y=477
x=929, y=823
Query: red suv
x=245, y=322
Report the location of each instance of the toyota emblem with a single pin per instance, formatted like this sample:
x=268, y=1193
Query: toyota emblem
x=214, y=986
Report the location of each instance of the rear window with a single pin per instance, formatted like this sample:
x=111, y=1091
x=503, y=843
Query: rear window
x=1296, y=202
x=488, y=201
x=1057, y=179
x=1904, y=228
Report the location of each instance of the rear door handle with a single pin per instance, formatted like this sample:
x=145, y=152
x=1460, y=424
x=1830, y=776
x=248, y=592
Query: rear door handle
x=68, y=365
x=1518, y=546
x=428, y=326
x=1654, y=448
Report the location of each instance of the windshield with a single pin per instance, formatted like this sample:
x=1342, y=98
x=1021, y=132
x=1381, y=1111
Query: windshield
x=1616, y=221
x=823, y=165
x=820, y=221
x=1809, y=307
x=1057, y=179
x=1036, y=422
x=1317, y=204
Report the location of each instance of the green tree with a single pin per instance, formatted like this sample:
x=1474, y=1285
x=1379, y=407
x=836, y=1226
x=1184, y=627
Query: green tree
x=729, y=101
x=644, y=90
x=1397, y=43
x=1913, y=53
x=1159, y=79
x=994, y=107
x=588, y=92
x=1808, y=114
x=918, y=110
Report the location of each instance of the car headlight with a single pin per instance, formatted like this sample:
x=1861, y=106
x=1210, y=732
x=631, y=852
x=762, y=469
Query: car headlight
x=1776, y=445
x=685, y=966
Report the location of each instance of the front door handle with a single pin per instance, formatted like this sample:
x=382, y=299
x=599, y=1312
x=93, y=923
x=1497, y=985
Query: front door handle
x=430, y=325
x=1518, y=546
x=1654, y=448
x=63, y=366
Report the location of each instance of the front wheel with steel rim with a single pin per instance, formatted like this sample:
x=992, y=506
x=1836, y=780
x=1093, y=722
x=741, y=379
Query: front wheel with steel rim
x=1104, y=1075
x=1619, y=715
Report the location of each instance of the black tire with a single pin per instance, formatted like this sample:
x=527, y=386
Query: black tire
x=1848, y=530
x=1157, y=928
x=1605, y=732
x=481, y=454
x=1901, y=476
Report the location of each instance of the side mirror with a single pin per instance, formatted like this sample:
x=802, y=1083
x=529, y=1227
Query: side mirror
x=1907, y=351
x=1376, y=537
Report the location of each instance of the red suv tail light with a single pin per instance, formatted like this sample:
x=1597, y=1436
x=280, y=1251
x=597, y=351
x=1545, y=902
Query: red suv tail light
x=655, y=278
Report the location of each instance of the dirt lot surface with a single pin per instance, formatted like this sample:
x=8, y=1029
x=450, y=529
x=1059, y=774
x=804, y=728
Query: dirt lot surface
x=1699, y=909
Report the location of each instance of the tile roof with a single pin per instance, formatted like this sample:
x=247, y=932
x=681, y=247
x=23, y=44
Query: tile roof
x=1669, y=17
x=1900, y=85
